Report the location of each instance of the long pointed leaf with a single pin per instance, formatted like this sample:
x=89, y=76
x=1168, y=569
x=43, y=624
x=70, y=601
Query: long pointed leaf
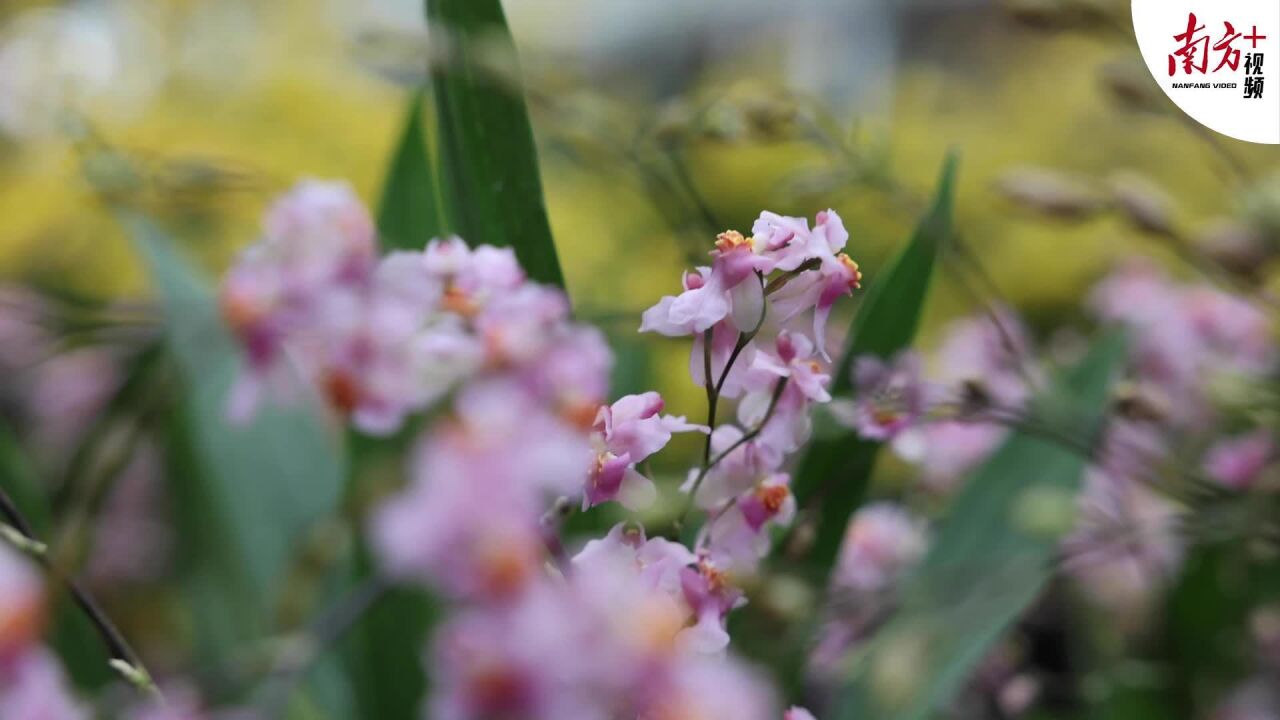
x=409, y=214
x=488, y=159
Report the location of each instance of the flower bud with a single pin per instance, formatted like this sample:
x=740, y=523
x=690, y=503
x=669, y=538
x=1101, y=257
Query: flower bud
x=1037, y=13
x=671, y=126
x=974, y=398
x=1044, y=511
x=1057, y=14
x=1017, y=695
x=1140, y=402
x=1130, y=86
x=897, y=678
x=1050, y=193
x=1235, y=246
x=1142, y=203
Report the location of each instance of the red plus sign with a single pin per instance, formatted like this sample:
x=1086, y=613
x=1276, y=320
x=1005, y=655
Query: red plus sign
x=1255, y=37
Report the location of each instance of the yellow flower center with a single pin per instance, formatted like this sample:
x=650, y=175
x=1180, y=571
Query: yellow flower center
x=772, y=497
x=855, y=275
x=731, y=240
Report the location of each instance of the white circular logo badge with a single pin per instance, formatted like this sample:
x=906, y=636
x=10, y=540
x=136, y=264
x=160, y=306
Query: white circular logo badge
x=1217, y=60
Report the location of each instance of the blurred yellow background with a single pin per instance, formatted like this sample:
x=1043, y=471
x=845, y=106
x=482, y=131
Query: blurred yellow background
x=227, y=102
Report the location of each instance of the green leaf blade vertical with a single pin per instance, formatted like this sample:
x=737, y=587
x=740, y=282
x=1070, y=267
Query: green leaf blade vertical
x=488, y=158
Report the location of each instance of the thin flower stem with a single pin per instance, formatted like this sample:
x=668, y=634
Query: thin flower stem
x=713, y=400
x=1016, y=352
x=748, y=437
x=713, y=393
x=117, y=646
x=781, y=281
x=773, y=405
x=743, y=340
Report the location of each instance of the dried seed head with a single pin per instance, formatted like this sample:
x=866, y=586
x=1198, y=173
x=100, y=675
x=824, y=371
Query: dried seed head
x=1050, y=193
x=1144, y=204
x=1235, y=246
x=1130, y=86
x=974, y=398
x=1058, y=14
x=1141, y=403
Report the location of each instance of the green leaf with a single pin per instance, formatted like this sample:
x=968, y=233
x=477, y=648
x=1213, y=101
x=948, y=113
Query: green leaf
x=251, y=490
x=19, y=480
x=988, y=560
x=385, y=649
x=409, y=214
x=835, y=472
x=489, y=163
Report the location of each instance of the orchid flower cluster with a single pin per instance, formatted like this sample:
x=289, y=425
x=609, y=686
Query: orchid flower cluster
x=629, y=626
x=757, y=315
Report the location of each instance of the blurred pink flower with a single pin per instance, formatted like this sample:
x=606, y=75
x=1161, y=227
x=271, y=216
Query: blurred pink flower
x=1126, y=542
x=22, y=610
x=657, y=561
x=320, y=229
x=1235, y=331
x=713, y=690
x=889, y=397
x=316, y=252
x=469, y=521
x=1236, y=462
x=880, y=544
x=34, y=687
x=132, y=537
x=24, y=340
x=710, y=596
x=66, y=392
x=608, y=640
x=1184, y=334
x=380, y=340
x=990, y=351
x=1255, y=699
x=945, y=451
